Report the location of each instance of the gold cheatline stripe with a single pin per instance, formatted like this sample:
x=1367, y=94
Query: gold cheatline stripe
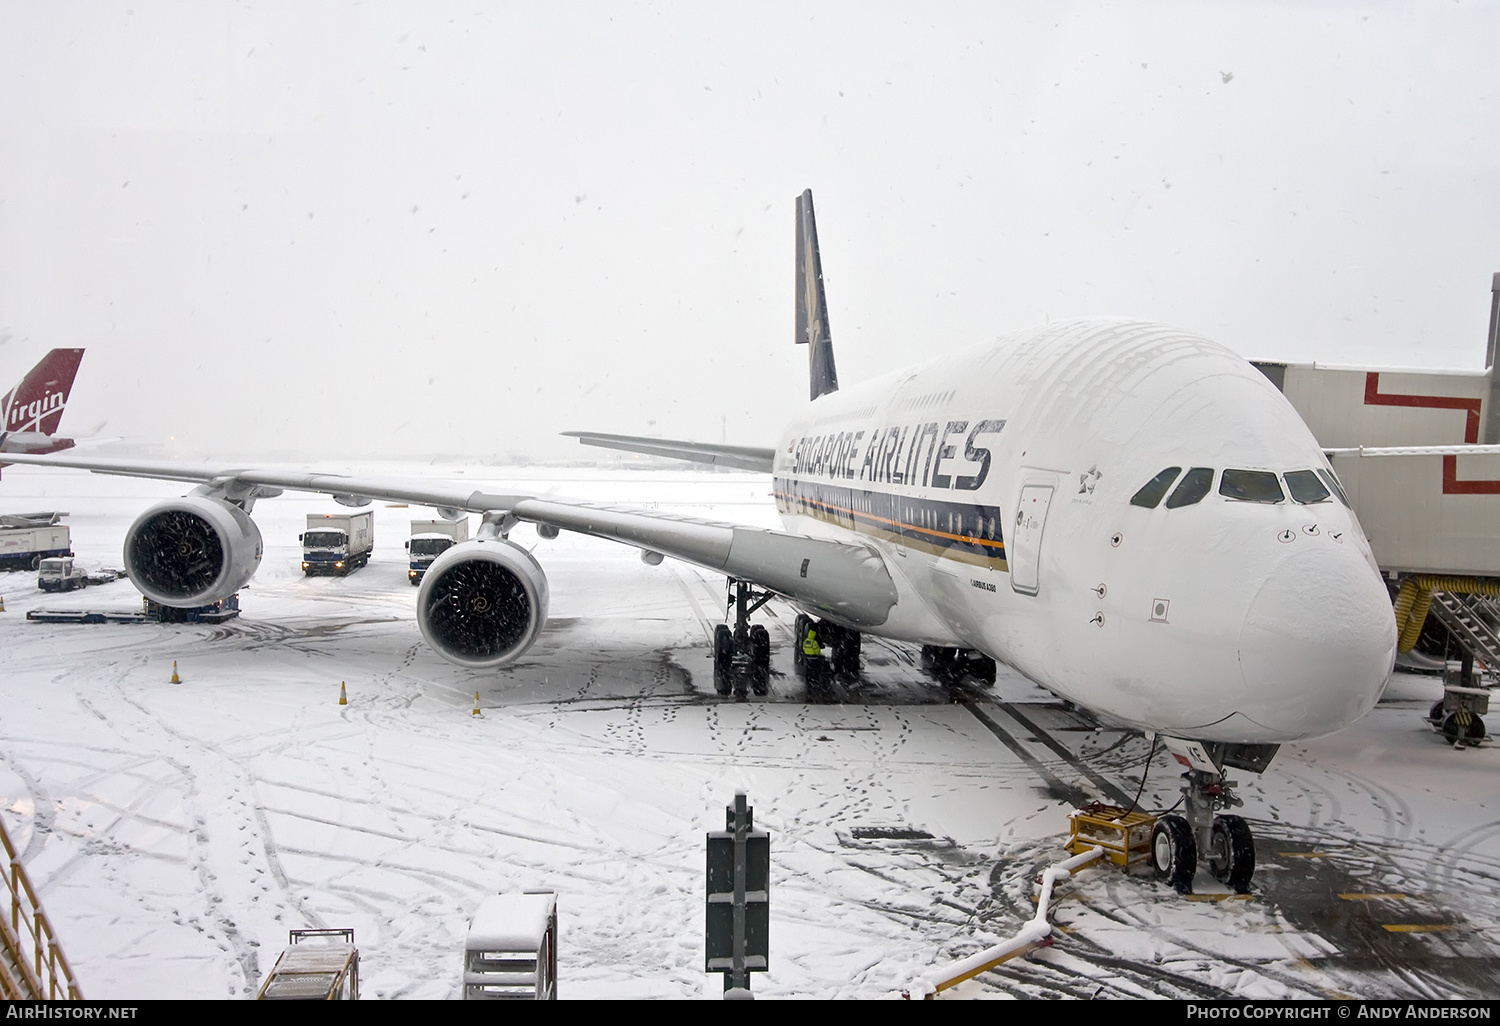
x=1418, y=927
x=898, y=523
x=1373, y=897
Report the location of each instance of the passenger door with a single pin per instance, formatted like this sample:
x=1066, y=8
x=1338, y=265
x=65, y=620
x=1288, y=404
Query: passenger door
x=1025, y=548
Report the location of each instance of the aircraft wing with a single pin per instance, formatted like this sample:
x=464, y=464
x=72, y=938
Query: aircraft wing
x=740, y=457
x=846, y=581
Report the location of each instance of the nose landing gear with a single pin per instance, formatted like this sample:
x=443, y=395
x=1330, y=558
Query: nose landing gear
x=1224, y=842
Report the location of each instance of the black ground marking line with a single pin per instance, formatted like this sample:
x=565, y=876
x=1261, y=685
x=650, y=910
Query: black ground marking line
x=1060, y=790
x=1114, y=792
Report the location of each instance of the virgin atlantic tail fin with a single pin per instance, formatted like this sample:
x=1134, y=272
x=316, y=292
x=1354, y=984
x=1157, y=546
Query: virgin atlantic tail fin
x=31, y=412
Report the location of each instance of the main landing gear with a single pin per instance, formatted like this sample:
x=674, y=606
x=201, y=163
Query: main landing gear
x=840, y=652
x=952, y=664
x=742, y=653
x=1224, y=842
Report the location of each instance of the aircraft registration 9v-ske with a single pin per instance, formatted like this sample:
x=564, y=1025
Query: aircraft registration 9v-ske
x=1130, y=515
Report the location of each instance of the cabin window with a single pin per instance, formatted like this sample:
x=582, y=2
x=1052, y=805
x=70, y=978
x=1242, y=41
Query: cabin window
x=1193, y=487
x=1151, y=493
x=1332, y=481
x=1305, y=487
x=1251, y=486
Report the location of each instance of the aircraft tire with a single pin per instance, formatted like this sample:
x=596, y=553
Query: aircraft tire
x=1232, y=860
x=1435, y=714
x=846, y=654
x=760, y=659
x=799, y=634
x=1174, y=854
x=723, y=658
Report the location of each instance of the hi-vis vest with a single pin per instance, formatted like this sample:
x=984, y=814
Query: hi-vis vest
x=810, y=646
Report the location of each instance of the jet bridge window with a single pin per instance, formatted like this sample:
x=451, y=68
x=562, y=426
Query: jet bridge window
x=1305, y=487
x=1251, y=486
x=1193, y=487
x=1153, y=490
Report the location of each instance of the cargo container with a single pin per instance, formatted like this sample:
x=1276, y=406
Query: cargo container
x=24, y=548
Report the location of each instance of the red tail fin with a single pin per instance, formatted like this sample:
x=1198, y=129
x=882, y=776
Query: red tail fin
x=36, y=404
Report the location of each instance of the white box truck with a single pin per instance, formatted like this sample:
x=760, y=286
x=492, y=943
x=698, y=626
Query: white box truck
x=430, y=539
x=336, y=543
x=24, y=548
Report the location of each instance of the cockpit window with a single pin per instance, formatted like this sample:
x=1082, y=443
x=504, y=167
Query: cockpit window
x=1305, y=487
x=1333, y=482
x=1251, y=486
x=1151, y=493
x=1193, y=487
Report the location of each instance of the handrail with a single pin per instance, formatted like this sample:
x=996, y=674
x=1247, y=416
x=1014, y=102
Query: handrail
x=45, y=967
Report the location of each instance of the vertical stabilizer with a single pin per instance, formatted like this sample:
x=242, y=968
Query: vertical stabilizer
x=36, y=403
x=812, y=307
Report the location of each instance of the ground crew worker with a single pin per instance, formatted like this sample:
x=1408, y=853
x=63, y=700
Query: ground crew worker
x=810, y=647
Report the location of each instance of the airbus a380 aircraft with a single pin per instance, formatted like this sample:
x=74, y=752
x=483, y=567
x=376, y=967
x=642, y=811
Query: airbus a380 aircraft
x=1130, y=515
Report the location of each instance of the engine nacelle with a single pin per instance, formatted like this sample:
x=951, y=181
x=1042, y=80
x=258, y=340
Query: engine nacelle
x=192, y=551
x=482, y=603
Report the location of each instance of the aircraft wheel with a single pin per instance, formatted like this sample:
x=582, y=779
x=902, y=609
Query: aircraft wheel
x=1463, y=727
x=723, y=658
x=760, y=659
x=1232, y=858
x=799, y=635
x=846, y=654
x=1435, y=714
x=1174, y=854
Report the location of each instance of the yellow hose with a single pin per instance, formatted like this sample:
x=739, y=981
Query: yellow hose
x=1415, y=599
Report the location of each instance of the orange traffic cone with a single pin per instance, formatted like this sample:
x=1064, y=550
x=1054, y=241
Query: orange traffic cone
x=343, y=695
x=175, y=679
x=2, y=605
x=476, y=705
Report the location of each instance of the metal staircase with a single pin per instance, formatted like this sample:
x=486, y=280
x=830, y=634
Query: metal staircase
x=1474, y=623
x=32, y=965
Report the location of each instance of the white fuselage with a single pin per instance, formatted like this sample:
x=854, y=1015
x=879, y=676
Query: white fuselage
x=997, y=485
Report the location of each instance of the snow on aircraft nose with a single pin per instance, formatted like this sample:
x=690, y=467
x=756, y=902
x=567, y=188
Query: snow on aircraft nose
x=1318, y=642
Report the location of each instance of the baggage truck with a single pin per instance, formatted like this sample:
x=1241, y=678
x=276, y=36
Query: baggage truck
x=336, y=543
x=59, y=573
x=24, y=548
x=430, y=539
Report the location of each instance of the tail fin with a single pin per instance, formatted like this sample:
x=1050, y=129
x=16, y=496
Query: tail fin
x=36, y=404
x=812, y=307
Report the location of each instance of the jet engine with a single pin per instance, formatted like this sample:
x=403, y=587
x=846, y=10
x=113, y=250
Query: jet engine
x=192, y=551
x=482, y=603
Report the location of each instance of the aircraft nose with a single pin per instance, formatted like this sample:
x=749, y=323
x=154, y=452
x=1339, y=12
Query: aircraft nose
x=1318, y=642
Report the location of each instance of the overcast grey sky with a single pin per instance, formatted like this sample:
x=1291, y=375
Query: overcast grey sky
x=408, y=229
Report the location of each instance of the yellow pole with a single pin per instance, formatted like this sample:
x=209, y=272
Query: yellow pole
x=343, y=695
x=476, y=704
